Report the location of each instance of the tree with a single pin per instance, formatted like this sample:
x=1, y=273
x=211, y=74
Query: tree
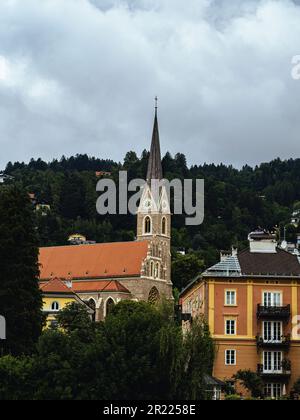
x=198, y=359
x=251, y=381
x=20, y=297
x=185, y=268
x=296, y=387
x=75, y=319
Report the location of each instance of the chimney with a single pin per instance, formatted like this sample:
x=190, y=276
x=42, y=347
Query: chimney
x=263, y=242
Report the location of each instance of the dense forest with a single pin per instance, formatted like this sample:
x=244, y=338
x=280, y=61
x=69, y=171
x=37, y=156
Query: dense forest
x=236, y=200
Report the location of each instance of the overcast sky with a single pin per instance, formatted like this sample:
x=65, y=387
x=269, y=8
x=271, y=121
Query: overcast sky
x=80, y=76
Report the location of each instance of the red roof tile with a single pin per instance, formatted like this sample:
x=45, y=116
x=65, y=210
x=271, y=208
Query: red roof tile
x=99, y=286
x=55, y=286
x=93, y=261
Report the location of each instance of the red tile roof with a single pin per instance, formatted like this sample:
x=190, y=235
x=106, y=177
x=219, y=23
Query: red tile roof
x=93, y=261
x=99, y=286
x=55, y=286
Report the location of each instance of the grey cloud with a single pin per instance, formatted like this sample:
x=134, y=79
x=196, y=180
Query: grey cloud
x=81, y=76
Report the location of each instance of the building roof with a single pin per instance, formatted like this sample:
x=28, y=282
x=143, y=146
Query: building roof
x=55, y=286
x=111, y=260
x=277, y=264
x=229, y=267
x=99, y=286
x=155, y=171
x=280, y=263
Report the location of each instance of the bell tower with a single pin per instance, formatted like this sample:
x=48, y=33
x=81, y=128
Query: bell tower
x=154, y=214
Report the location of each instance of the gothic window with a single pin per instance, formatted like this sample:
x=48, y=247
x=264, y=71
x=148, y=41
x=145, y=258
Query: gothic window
x=109, y=306
x=156, y=272
x=164, y=226
x=153, y=296
x=147, y=225
x=151, y=269
x=92, y=305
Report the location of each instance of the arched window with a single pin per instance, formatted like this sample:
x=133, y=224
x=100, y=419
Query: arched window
x=109, y=305
x=153, y=296
x=151, y=269
x=55, y=306
x=156, y=271
x=164, y=226
x=147, y=225
x=92, y=305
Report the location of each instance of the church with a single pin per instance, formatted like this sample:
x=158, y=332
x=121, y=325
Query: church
x=104, y=274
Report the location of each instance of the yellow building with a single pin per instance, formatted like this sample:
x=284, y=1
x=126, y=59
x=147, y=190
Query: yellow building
x=56, y=296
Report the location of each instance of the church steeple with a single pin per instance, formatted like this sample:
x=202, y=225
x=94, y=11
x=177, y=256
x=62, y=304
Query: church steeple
x=154, y=165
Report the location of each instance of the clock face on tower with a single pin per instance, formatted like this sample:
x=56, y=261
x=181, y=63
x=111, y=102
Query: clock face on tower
x=147, y=204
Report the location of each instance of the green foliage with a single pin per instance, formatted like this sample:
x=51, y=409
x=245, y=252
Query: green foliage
x=236, y=201
x=138, y=353
x=185, y=268
x=296, y=387
x=251, y=381
x=233, y=397
x=20, y=297
x=198, y=358
x=75, y=319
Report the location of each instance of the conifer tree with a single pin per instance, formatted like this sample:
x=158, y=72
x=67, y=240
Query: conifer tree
x=20, y=298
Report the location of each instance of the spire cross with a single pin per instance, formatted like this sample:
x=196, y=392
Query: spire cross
x=156, y=102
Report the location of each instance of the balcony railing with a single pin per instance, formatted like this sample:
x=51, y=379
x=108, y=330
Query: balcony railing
x=283, y=343
x=282, y=374
x=273, y=312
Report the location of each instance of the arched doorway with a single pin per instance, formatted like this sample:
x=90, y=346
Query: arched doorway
x=109, y=306
x=153, y=296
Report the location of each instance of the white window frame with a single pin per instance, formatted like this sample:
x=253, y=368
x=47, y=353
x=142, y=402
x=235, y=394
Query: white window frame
x=269, y=298
x=272, y=362
x=271, y=390
x=231, y=333
x=272, y=334
x=231, y=356
x=230, y=297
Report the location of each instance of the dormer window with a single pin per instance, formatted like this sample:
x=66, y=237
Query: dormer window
x=55, y=306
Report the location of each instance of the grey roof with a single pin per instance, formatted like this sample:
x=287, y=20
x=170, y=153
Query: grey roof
x=210, y=380
x=154, y=166
x=230, y=267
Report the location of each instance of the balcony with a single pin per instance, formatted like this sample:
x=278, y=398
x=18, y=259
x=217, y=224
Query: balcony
x=281, y=375
x=274, y=312
x=284, y=343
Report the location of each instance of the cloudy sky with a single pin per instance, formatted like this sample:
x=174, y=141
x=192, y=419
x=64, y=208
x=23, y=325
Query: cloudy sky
x=80, y=76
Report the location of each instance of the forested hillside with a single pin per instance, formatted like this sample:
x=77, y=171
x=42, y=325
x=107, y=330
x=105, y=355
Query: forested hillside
x=236, y=201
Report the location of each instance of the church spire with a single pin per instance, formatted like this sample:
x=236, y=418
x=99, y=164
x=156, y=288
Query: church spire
x=154, y=166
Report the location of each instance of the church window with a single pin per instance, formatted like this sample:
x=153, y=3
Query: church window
x=92, y=305
x=153, y=296
x=109, y=305
x=151, y=269
x=147, y=227
x=164, y=226
x=156, y=273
